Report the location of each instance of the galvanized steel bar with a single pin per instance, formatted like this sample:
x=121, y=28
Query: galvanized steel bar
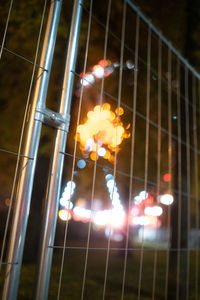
x=55, y=177
x=25, y=184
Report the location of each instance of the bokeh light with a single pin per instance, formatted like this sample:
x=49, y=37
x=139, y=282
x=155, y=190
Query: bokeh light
x=167, y=177
x=102, y=132
x=81, y=164
x=166, y=199
x=155, y=211
x=64, y=215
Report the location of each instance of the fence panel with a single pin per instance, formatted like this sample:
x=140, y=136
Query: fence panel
x=128, y=219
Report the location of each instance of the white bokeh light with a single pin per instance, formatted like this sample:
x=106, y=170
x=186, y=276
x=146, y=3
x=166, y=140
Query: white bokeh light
x=110, y=184
x=98, y=71
x=87, y=80
x=166, y=199
x=155, y=211
x=143, y=195
x=66, y=203
x=101, y=151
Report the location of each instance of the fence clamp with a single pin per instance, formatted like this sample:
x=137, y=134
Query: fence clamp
x=52, y=118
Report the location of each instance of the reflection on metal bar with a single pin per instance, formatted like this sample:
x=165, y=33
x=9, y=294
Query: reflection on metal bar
x=25, y=184
x=14, y=153
x=53, y=190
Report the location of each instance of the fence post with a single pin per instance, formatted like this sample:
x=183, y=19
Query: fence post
x=27, y=171
x=55, y=177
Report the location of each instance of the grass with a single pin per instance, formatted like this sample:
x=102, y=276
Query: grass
x=73, y=270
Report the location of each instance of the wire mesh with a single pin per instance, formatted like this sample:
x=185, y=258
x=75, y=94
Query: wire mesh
x=128, y=222
x=156, y=175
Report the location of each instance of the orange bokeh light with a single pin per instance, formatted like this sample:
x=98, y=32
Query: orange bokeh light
x=102, y=128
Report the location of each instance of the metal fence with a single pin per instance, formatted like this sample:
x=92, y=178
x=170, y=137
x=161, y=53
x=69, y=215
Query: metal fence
x=106, y=178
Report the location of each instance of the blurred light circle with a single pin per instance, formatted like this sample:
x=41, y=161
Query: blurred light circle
x=167, y=177
x=155, y=211
x=108, y=71
x=141, y=220
x=71, y=184
x=67, y=193
x=64, y=215
x=104, y=62
x=98, y=71
x=109, y=176
x=130, y=65
x=119, y=111
x=66, y=203
x=134, y=211
x=81, y=164
x=116, y=64
x=166, y=199
x=110, y=183
x=137, y=199
x=143, y=195
x=88, y=79
x=89, y=145
x=102, y=151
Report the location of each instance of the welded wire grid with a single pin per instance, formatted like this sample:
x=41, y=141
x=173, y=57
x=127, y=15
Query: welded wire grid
x=159, y=93
x=14, y=116
x=161, y=104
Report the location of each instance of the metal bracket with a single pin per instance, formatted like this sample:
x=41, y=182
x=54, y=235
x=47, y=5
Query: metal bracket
x=52, y=118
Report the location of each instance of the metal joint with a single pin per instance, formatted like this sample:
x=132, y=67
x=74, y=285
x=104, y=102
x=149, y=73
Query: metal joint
x=53, y=119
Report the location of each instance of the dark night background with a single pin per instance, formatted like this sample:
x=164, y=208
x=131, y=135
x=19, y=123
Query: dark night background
x=179, y=21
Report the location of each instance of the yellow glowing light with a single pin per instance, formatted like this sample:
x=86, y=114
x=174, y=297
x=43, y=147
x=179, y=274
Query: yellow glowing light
x=94, y=156
x=64, y=215
x=121, y=111
x=103, y=128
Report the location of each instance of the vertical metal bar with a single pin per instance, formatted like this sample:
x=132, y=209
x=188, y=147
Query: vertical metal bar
x=179, y=179
x=188, y=158
x=196, y=176
x=75, y=146
x=146, y=152
x=25, y=184
x=135, y=90
x=53, y=192
x=122, y=42
x=6, y=28
x=169, y=163
x=158, y=152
